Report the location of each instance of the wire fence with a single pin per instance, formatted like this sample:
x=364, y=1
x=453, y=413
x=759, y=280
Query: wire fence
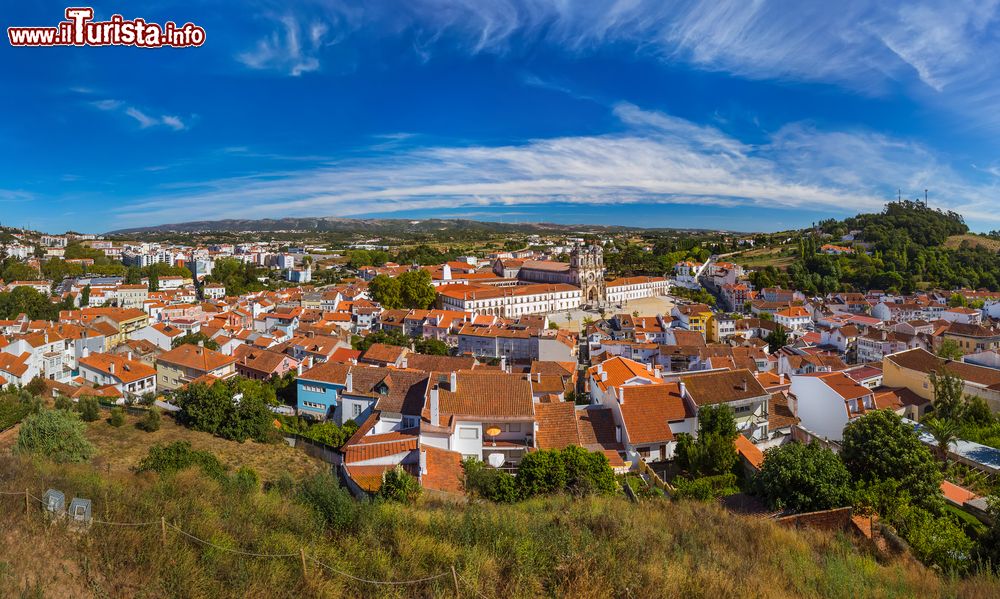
x=301, y=554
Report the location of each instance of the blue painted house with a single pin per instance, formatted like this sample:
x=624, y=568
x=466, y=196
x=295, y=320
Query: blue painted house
x=318, y=391
x=341, y=392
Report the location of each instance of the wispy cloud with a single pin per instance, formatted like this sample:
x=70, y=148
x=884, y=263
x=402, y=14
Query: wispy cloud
x=942, y=51
x=144, y=119
x=659, y=159
x=293, y=48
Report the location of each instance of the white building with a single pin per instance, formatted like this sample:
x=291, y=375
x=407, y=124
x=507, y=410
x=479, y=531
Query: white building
x=826, y=402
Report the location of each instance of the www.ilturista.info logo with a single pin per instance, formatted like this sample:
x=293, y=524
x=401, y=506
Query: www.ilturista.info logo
x=80, y=29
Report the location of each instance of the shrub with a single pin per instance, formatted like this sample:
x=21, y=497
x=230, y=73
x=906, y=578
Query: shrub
x=805, y=478
x=89, y=408
x=14, y=407
x=117, y=416
x=331, y=502
x=705, y=487
x=35, y=386
x=245, y=481
x=489, y=483
x=168, y=459
x=573, y=469
x=880, y=447
x=150, y=422
x=284, y=485
x=938, y=541
x=398, y=485
x=56, y=434
x=235, y=409
x=63, y=403
x=329, y=433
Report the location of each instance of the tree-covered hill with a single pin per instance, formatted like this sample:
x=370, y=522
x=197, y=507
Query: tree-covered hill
x=902, y=249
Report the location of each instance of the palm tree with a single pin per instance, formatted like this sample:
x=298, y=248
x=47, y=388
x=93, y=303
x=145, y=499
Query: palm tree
x=945, y=433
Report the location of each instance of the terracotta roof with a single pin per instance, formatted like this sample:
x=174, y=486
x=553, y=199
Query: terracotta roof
x=444, y=470
x=619, y=371
x=383, y=353
x=439, y=363
x=749, y=451
x=363, y=452
x=648, y=409
x=261, y=360
x=556, y=425
x=779, y=414
x=956, y=494
x=596, y=427
x=896, y=398
x=195, y=357
x=486, y=394
x=125, y=370
x=722, y=387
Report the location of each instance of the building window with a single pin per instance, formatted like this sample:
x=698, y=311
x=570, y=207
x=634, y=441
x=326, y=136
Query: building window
x=468, y=433
x=313, y=389
x=356, y=410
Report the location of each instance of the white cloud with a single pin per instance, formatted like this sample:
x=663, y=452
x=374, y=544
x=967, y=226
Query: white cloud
x=293, y=48
x=144, y=119
x=944, y=52
x=659, y=159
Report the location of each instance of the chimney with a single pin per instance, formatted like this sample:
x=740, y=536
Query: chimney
x=423, y=461
x=201, y=344
x=604, y=376
x=435, y=408
x=503, y=363
x=86, y=352
x=621, y=394
x=781, y=379
x=453, y=382
x=743, y=385
x=403, y=363
x=684, y=389
x=129, y=354
x=349, y=383
x=111, y=367
x=658, y=373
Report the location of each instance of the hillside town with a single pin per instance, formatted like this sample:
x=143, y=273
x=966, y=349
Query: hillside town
x=534, y=353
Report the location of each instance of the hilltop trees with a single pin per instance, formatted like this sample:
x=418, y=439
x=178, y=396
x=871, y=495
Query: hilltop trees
x=235, y=409
x=879, y=447
x=712, y=452
x=804, y=478
x=412, y=289
x=904, y=248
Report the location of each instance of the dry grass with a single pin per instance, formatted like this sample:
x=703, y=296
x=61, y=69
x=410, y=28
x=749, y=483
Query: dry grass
x=119, y=449
x=555, y=547
x=777, y=257
x=989, y=243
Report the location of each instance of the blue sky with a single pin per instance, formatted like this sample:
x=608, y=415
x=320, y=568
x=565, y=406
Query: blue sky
x=740, y=115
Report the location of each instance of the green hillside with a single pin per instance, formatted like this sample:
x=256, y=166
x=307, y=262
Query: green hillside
x=555, y=547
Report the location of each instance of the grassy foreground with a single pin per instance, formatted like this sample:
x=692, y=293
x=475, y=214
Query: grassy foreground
x=561, y=546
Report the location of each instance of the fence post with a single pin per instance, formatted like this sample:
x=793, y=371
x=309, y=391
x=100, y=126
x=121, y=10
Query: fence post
x=163, y=530
x=454, y=578
x=26, y=501
x=302, y=557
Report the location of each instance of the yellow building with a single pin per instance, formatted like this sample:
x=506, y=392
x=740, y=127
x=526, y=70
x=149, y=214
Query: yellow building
x=911, y=369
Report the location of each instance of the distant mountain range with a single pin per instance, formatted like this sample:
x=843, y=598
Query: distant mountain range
x=376, y=226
